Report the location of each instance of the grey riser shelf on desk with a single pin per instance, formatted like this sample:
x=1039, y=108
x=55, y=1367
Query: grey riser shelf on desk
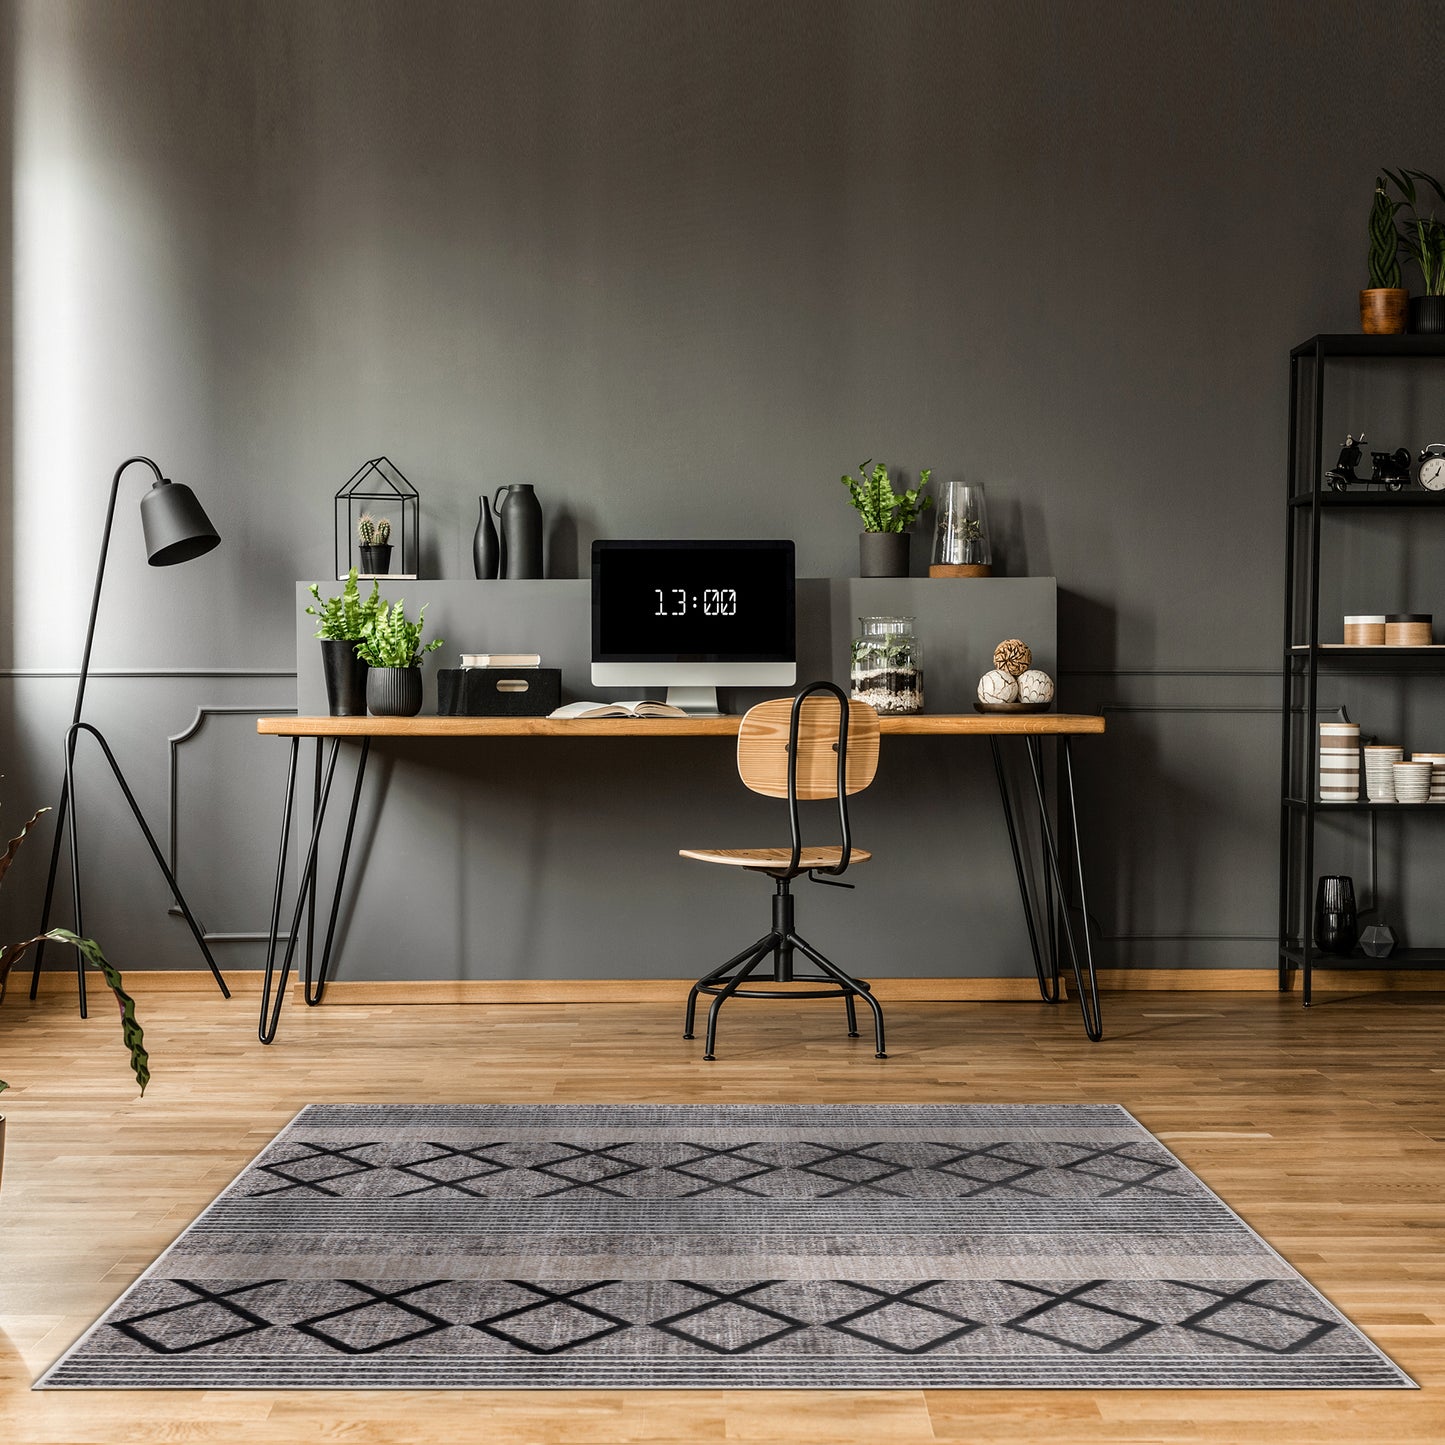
x=1333, y=501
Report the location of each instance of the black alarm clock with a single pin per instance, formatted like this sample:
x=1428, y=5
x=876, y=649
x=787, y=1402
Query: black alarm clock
x=1432, y=467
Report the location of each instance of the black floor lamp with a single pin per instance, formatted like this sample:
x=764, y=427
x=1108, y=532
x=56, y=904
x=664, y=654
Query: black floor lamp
x=176, y=529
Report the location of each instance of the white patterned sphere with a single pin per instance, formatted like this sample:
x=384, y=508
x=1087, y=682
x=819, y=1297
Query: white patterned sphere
x=998, y=686
x=1036, y=686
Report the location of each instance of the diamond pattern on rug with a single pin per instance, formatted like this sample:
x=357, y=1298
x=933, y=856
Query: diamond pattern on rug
x=581, y=1246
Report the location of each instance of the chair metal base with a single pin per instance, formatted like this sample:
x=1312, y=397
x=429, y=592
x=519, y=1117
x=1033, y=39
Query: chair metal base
x=781, y=941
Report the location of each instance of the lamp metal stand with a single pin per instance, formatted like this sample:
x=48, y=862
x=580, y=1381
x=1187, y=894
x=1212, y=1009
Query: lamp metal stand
x=67, y=812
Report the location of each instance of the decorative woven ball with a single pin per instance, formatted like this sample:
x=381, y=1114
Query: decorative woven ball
x=1012, y=656
x=1036, y=686
x=997, y=686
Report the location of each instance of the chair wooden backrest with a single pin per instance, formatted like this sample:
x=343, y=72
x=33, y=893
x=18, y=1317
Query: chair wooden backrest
x=763, y=750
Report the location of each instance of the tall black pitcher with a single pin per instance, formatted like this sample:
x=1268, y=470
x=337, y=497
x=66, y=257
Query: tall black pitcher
x=519, y=515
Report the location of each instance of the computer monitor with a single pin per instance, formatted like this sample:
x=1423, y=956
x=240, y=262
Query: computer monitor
x=693, y=617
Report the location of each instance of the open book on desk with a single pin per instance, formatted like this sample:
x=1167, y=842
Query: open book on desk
x=641, y=708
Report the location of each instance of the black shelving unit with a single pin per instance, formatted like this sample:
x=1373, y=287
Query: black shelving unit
x=1305, y=657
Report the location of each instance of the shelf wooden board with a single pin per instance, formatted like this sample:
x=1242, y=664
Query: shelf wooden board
x=916, y=725
x=1363, y=805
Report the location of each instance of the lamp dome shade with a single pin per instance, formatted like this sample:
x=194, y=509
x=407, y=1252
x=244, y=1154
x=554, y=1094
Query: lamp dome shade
x=175, y=524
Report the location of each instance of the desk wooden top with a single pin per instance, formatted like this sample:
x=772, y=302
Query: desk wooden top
x=1047, y=724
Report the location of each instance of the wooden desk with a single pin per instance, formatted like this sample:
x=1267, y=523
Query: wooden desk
x=1045, y=923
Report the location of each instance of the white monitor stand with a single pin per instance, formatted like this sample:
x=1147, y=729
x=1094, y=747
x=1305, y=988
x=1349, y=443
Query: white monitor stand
x=695, y=701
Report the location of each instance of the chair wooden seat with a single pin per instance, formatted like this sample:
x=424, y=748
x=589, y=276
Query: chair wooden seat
x=765, y=858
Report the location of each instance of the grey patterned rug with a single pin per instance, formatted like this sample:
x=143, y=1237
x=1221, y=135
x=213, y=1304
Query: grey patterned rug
x=625, y=1246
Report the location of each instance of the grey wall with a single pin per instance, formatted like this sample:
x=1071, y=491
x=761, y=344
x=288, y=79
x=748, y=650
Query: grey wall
x=680, y=266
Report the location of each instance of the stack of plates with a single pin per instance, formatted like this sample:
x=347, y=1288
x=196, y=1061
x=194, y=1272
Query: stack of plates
x=1340, y=762
x=1437, y=774
x=1412, y=781
x=1380, y=760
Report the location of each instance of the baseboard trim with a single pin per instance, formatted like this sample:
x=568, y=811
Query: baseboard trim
x=390, y=993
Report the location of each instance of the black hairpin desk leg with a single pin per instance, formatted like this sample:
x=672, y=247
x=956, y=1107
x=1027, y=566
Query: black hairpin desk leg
x=273, y=991
x=1048, y=974
x=1082, y=960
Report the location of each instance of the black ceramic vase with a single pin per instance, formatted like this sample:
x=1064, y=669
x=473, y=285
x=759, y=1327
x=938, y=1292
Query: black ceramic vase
x=486, y=545
x=393, y=691
x=519, y=515
x=376, y=561
x=1336, y=922
x=345, y=678
x=883, y=554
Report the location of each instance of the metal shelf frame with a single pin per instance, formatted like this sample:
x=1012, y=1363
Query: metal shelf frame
x=1306, y=507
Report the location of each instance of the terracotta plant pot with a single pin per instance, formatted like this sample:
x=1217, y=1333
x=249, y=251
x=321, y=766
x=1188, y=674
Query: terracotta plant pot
x=1383, y=310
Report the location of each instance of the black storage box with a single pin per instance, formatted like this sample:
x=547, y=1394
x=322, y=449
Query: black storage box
x=498, y=691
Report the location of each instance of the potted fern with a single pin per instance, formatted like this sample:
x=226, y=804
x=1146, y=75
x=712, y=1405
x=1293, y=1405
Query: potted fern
x=392, y=649
x=1423, y=240
x=374, y=535
x=887, y=515
x=341, y=624
x=1382, y=302
x=11, y=954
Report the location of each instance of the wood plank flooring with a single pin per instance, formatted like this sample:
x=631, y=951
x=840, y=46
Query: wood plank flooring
x=1324, y=1128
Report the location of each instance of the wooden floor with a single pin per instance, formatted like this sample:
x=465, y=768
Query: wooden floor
x=1325, y=1129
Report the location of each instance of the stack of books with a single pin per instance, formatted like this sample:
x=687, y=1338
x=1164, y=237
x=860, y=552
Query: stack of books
x=501, y=659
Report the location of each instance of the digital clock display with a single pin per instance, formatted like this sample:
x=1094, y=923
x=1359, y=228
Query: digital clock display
x=697, y=601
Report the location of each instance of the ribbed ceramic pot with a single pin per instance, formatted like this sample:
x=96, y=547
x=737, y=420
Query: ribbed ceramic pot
x=393, y=691
x=1427, y=315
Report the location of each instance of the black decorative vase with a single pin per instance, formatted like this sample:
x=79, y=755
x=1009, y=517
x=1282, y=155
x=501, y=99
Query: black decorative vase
x=393, y=691
x=1337, y=925
x=883, y=554
x=345, y=678
x=1427, y=315
x=519, y=516
x=486, y=545
x=376, y=561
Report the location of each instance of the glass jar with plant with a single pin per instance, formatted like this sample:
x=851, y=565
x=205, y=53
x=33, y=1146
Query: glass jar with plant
x=341, y=624
x=887, y=665
x=374, y=535
x=1382, y=302
x=392, y=649
x=887, y=515
x=1423, y=240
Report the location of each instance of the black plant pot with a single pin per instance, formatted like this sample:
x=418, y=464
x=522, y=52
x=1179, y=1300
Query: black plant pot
x=883, y=554
x=393, y=691
x=345, y=678
x=1337, y=925
x=376, y=561
x=1427, y=314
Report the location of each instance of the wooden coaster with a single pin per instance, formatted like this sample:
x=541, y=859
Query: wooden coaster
x=960, y=569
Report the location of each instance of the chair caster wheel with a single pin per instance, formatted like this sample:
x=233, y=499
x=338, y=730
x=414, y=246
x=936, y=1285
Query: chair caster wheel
x=708, y=1058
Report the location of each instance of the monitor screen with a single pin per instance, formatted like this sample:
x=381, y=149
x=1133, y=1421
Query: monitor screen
x=692, y=602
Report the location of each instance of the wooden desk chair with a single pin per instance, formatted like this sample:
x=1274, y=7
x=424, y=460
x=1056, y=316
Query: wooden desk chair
x=804, y=747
